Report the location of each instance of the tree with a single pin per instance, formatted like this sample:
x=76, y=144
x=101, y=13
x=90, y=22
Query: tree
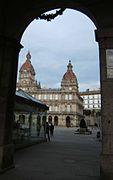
x=87, y=112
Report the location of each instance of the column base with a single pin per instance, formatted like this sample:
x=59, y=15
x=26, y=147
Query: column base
x=6, y=157
x=106, y=167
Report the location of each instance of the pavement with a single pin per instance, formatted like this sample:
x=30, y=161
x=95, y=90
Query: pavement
x=67, y=156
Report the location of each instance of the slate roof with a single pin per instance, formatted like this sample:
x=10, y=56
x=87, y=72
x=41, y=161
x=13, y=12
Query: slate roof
x=25, y=102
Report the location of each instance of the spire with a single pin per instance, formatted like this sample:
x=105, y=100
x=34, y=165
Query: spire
x=28, y=56
x=69, y=66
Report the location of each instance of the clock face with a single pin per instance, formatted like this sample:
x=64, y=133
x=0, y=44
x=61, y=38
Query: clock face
x=70, y=88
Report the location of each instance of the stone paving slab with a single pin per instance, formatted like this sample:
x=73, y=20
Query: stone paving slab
x=66, y=157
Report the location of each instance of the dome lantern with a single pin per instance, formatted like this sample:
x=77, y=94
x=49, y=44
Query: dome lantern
x=69, y=66
x=69, y=78
x=28, y=56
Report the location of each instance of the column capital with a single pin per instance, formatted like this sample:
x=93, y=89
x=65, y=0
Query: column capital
x=10, y=41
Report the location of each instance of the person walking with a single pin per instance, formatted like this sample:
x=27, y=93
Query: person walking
x=51, y=128
x=47, y=131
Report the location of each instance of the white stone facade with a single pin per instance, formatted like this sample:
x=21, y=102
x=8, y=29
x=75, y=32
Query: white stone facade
x=91, y=99
x=92, y=107
x=65, y=104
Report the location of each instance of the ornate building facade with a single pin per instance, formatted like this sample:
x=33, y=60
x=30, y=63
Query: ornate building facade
x=65, y=104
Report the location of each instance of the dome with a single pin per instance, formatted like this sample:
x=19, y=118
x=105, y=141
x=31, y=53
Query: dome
x=27, y=66
x=69, y=75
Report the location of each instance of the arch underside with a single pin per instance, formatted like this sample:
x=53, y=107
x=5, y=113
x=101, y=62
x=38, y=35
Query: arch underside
x=22, y=14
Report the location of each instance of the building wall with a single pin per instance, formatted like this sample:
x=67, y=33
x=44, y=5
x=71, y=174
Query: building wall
x=91, y=99
x=64, y=103
x=92, y=103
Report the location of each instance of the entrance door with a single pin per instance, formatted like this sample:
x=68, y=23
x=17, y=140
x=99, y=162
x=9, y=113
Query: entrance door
x=68, y=121
x=50, y=119
x=56, y=120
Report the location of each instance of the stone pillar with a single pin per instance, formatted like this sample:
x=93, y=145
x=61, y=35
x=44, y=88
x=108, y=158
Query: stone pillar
x=30, y=123
x=9, y=50
x=105, y=40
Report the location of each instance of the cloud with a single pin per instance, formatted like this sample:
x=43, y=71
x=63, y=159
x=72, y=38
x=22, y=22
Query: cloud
x=53, y=44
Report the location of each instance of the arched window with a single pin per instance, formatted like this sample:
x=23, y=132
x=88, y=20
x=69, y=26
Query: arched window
x=56, y=120
x=50, y=119
x=22, y=119
x=68, y=122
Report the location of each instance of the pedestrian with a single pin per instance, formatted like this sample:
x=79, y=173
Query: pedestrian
x=51, y=128
x=98, y=134
x=47, y=131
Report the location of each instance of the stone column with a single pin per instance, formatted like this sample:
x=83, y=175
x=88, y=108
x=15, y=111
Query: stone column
x=9, y=50
x=30, y=123
x=105, y=40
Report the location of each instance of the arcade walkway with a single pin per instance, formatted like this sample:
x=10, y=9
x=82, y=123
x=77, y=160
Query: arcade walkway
x=68, y=156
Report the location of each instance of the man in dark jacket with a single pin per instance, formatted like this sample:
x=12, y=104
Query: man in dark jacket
x=47, y=130
x=51, y=127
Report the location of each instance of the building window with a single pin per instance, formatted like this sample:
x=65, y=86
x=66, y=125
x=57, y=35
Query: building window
x=56, y=96
x=96, y=105
x=68, y=108
x=90, y=106
x=86, y=106
x=56, y=108
x=85, y=97
x=59, y=96
x=39, y=96
x=96, y=96
x=95, y=101
x=90, y=96
x=51, y=96
x=66, y=97
x=90, y=101
x=70, y=96
x=85, y=101
x=45, y=96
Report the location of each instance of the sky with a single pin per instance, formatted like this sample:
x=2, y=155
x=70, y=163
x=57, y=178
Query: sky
x=52, y=44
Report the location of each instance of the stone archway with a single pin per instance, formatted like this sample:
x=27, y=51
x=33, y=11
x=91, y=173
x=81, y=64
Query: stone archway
x=22, y=118
x=56, y=120
x=11, y=30
x=50, y=119
x=68, y=121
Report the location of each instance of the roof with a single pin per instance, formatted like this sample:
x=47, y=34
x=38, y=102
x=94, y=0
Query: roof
x=90, y=92
x=25, y=102
x=27, y=66
x=69, y=75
